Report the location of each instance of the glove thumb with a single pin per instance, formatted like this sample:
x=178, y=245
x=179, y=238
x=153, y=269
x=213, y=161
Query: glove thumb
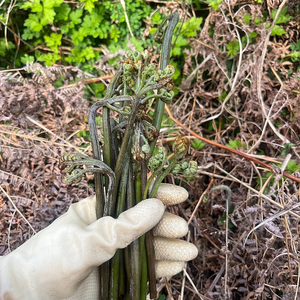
x=113, y=234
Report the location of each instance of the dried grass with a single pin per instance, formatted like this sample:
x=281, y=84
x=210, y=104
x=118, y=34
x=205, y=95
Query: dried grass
x=36, y=123
x=260, y=109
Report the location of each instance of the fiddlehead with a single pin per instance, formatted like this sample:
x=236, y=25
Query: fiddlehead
x=70, y=165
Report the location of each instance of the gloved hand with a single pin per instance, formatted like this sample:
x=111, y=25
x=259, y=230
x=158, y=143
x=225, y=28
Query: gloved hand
x=60, y=261
x=170, y=252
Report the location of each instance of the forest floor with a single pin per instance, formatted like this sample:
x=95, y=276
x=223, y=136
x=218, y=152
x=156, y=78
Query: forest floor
x=258, y=115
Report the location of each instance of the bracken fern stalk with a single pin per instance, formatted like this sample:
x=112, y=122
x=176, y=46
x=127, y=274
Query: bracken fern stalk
x=121, y=166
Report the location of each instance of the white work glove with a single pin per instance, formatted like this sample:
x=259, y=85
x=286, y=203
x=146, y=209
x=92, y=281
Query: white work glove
x=60, y=261
x=170, y=252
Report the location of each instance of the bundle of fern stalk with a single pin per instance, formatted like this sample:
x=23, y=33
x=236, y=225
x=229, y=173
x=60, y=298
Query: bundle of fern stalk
x=127, y=155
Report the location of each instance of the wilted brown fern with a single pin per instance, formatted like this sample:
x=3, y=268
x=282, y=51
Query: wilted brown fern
x=29, y=154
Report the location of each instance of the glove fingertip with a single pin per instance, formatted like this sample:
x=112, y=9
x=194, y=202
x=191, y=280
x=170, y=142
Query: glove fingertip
x=164, y=268
x=171, y=194
x=171, y=226
x=174, y=249
x=149, y=211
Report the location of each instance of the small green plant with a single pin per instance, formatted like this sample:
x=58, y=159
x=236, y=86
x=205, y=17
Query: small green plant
x=71, y=32
x=287, y=148
x=156, y=18
x=98, y=90
x=223, y=218
x=291, y=167
x=84, y=134
x=247, y=18
x=234, y=144
x=232, y=48
x=282, y=19
x=4, y=48
x=251, y=38
x=197, y=144
x=258, y=21
x=276, y=30
x=214, y=3
x=223, y=96
x=188, y=30
x=295, y=55
x=283, y=16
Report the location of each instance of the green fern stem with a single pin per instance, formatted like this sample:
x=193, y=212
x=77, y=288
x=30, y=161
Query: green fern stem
x=165, y=60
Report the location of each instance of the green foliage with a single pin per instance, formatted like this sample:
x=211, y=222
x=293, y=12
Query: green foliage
x=283, y=16
x=291, y=167
x=214, y=3
x=84, y=134
x=53, y=41
x=137, y=44
x=295, y=55
x=188, y=30
x=282, y=19
x=197, y=144
x=235, y=144
x=233, y=48
x=258, y=21
x=44, y=13
x=156, y=18
x=98, y=89
x=72, y=32
x=287, y=148
x=115, y=33
x=89, y=4
x=27, y=59
x=295, y=47
x=223, y=218
x=251, y=36
x=180, y=44
x=277, y=30
x=49, y=58
x=247, y=18
x=5, y=47
x=223, y=96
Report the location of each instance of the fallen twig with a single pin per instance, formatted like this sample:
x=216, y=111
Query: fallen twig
x=242, y=154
